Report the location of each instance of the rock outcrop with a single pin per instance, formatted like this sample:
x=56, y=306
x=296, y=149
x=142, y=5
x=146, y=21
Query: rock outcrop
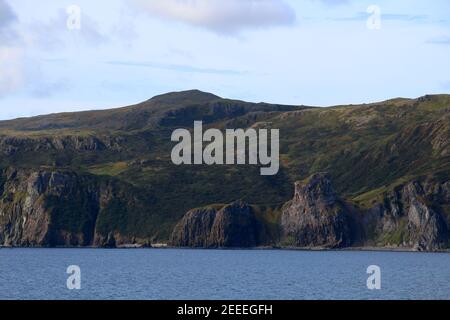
x=62, y=208
x=316, y=217
x=26, y=206
x=233, y=225
x=194, y=229
x=11, y=145
x=411, y=216
x=40, y=207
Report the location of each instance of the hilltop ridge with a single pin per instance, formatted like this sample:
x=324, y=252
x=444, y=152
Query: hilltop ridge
x=150, y=113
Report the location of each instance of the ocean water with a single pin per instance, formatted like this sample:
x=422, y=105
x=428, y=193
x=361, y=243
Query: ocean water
x=221, y=274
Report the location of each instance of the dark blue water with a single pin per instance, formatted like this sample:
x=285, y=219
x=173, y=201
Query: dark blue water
x=221, y=274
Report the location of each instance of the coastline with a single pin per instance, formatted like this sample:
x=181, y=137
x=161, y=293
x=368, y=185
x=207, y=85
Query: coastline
x=262, y=248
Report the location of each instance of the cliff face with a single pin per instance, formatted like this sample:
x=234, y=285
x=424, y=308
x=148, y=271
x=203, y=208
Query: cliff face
x=64, y=208
x=316, y=217
x=26, y=209
x=11, y=145
x=194, y=228
x=22, y=221
x=412, y=216
x=56, y=208
x=233, y=225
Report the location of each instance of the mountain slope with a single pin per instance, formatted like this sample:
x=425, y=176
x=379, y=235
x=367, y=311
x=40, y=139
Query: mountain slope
x=369, y=152
x=164, y=110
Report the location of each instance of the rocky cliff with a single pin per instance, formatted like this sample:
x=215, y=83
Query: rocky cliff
x=316, y=217
x=233, y=225
x=62, y=208
x=11, y=145
x=412, y=216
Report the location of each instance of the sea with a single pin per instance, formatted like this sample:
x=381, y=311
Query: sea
x=188, y=274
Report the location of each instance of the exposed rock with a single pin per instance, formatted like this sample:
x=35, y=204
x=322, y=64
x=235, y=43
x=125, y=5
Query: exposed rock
x=61, y=208
x=106, y=241
x=12, y=145
x=234, y=225
x=194, y=229
x=406, y=219
x=40, y=207
x=426, y=228
x=26, y=209
x=316, y=217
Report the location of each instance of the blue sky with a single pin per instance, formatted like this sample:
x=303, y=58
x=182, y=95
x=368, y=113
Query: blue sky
x=314, y=52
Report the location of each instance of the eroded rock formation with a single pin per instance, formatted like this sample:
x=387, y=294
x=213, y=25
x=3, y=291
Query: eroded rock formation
x=233, y=225
x=316, y=217
x=62, y=208
x=411, y=216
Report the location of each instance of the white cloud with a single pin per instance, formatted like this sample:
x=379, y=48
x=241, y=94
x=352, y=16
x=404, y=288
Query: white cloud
x=11, y=69
x=11, y=57
x=7, y=19
x=52, y=34
x=222, y=16
x=19, y=67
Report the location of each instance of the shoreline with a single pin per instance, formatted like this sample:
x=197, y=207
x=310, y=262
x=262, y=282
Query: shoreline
x=263, y=248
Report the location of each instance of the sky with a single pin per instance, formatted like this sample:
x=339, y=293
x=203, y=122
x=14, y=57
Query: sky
x=59, y=56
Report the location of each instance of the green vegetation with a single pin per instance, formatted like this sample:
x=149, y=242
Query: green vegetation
x=367, y=149
x=396, y=237
x=109, y=169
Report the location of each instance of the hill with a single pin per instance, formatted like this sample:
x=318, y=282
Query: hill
x=115, y=182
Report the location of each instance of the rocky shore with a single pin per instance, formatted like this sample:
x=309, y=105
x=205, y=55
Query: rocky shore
x=36, y=208
x=316, y=218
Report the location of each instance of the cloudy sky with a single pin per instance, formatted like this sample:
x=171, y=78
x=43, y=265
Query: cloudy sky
x=315, y=52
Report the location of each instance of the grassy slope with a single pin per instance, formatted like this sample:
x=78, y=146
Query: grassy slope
x=367, y=149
